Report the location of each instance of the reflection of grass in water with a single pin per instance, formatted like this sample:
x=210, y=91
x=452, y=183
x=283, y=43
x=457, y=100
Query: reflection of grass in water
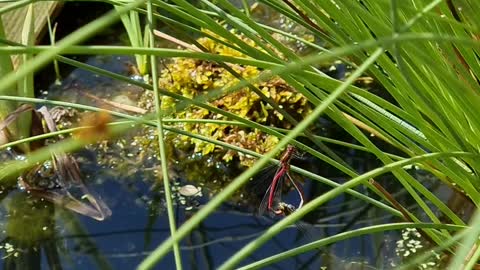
x=29, y=219
x=83, y=243
x=29, y=230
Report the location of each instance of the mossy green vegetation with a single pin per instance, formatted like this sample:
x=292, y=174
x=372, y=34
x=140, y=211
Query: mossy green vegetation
x=192, y=78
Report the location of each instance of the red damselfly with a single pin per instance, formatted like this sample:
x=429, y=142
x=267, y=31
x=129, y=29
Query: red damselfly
x=272, y=199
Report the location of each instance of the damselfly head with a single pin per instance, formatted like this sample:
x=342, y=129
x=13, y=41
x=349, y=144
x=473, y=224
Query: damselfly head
x=291, y=149
x=289, y=153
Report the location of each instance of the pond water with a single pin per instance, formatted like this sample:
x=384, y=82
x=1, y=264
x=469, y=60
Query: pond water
x=39, y=235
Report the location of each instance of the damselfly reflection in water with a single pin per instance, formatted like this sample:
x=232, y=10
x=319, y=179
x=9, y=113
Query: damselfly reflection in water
x=58, y=179
x=65, y=180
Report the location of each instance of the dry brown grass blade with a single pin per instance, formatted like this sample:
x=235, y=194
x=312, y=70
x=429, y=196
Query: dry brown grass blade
x=14, y=115
x=116, y=105
x=176, y=41
x=6, y=134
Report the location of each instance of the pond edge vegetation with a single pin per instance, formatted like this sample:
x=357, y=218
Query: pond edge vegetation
x=424, y=56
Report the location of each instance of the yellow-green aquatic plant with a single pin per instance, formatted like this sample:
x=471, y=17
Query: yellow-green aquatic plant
x=192, y=78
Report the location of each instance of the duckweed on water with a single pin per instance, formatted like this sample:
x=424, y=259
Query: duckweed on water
x=412, y=244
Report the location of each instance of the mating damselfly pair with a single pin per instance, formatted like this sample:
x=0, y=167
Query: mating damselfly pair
x=272, y=199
